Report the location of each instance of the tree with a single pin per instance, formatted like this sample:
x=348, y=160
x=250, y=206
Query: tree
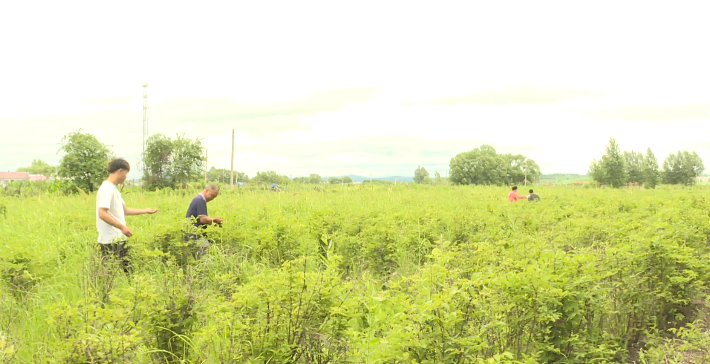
x=480, y=166
x=483, y=166
x=335, y=180
x=218, y=175
x=613, y=164
x=596, y=171
x=420, y=174
x=39, y=167
x=438, y=179
x=156, y=161
x=651, y=175
x=531, y=171
x=315, y=179
x=241, y=177
x=270, y=177
x=513, y=165
x=633, y=164
x=682, y=168
x=222, y=175
x=172, y=163
x=347, y=179
x=187, y=162
x=85, y=160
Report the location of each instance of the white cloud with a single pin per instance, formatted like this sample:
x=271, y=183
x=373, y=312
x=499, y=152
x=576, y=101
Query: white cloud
x=411, y=51
x=226, y=139
x=349, y=158
x=250, y=158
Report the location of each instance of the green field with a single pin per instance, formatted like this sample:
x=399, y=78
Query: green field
x=364, y=274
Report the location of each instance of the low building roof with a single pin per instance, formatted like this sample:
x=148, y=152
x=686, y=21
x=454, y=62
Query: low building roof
x=14, y=175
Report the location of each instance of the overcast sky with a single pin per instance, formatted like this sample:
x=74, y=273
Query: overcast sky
x=370, y=88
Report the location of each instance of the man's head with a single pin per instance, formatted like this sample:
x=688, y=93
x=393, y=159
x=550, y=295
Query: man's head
x=118, y=168
x=515, y=188
x=211, y=191
x=531, y=191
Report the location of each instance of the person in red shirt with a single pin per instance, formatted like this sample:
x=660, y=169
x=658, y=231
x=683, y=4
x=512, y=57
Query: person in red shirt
x=513, y=195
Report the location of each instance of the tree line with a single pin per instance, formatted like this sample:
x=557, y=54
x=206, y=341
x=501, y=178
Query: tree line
x=166, y=163
x=175, y=162
x=616, y=168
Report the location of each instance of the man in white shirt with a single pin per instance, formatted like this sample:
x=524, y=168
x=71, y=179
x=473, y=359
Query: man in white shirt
x=111, y=214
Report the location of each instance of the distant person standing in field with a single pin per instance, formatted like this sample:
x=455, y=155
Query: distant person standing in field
x=111, y=214
x=197, y=212
x=533, y=196
x=513, y=195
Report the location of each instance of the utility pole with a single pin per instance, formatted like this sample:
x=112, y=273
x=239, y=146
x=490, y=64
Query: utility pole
x=205, y=164
x=145, y=120
x=231, y=168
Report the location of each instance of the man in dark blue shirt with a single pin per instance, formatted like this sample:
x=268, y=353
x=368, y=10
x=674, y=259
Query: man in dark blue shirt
x=197, y=212
x=533, y=196
x=198, y=207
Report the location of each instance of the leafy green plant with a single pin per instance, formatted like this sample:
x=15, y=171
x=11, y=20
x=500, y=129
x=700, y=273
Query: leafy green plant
x=383, y=274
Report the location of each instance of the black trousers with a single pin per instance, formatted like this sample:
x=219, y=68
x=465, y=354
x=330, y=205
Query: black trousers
x=119, y=253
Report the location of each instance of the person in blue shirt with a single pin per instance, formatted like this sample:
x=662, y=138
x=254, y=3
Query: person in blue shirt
x=198, y=207
x=533, y=196
x=197, y=213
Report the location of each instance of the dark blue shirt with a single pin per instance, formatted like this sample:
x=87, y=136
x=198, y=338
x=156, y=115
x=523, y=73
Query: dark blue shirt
x=198, y=207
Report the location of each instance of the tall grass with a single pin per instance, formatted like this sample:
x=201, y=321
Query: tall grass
x=361, y=274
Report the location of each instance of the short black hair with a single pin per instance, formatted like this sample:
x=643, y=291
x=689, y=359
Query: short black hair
x=118, y=163
x=515, y=188
x=531, y=191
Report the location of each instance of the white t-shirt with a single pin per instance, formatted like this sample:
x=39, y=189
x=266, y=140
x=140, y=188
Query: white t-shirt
x=109, y=197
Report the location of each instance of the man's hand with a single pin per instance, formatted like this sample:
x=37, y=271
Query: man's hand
x=217, y=220
x=150, y=211
x=126, y=231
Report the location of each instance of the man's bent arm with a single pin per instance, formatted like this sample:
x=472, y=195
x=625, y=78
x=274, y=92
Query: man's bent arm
x=109, y=219
x=205, y=220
